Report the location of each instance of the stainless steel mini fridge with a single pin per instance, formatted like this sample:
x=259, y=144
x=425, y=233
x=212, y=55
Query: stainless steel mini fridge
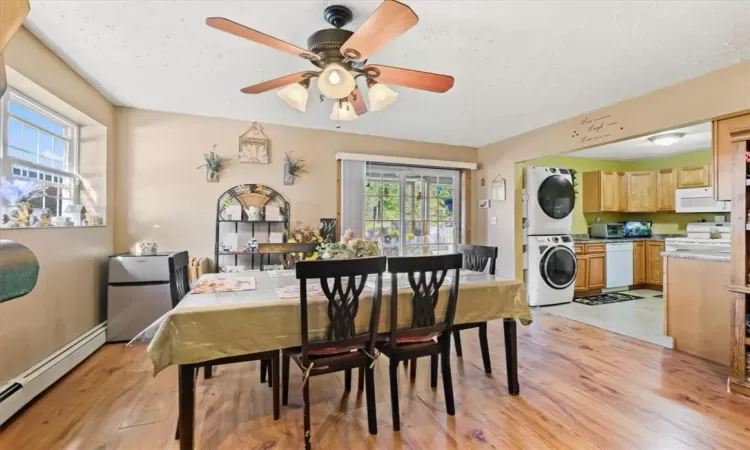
x=137, y=294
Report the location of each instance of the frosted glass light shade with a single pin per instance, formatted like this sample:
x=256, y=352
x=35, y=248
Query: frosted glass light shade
x=666, y=139
x=295, y=95
x=335, y=81
x=343, y=111
x=381, y=96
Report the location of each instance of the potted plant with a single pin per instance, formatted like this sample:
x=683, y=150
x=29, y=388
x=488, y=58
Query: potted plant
x=214, y=164
x=293, y=167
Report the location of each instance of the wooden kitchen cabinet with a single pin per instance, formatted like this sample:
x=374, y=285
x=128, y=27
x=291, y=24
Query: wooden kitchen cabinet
x=641, y=188
x=622, y=204
x=592, y=267
x=722, y=154
x=582, y=278
x=666, y=184
x=601, y=191
x=639, y=262
x=654, y=262
x=597, y=271
x=692, y=177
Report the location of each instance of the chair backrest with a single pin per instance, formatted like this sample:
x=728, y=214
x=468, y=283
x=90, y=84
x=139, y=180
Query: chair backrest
x=343, y=301
x=476, y=257
x=179, y=282
x=431, y=271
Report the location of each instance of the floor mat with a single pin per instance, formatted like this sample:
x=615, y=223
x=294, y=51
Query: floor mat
x=604, y=299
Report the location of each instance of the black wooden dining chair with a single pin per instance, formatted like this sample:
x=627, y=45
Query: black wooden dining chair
x=284, y=250
x=179, y=287
x=476, y=258
x=344, y=347
x=419, y=340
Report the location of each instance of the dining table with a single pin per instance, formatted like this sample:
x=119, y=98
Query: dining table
x=232, y=316
x=213, y=325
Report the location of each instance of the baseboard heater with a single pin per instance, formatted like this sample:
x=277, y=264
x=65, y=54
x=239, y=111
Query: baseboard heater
x=15, y=394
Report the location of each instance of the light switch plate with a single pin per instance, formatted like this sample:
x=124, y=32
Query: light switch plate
x=493, y=220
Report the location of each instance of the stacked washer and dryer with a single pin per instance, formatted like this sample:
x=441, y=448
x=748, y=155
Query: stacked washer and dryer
x=552, y=267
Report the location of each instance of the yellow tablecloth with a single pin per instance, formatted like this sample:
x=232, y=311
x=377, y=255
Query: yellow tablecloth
x=208, y=326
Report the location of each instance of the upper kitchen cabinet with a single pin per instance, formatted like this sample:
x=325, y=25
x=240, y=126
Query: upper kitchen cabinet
x=641, y=187
x=722, y=154
x=602, y=192
x=666, y=183
x=693, y=177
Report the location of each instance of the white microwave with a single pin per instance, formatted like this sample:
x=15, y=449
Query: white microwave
x=700, y=200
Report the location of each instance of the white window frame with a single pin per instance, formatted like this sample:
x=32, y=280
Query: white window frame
x=73, y=141
x=402, y=172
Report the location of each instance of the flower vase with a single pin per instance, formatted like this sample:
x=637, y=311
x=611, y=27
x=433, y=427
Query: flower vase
x=288, y=177
x=212, y=176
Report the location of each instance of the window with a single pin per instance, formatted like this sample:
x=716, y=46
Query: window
x=39, y=145
x=412, y=211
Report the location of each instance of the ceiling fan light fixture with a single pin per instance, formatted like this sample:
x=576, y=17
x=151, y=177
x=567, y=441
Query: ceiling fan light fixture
x=380, y=95
x=343, y=110
x=335, y=81
x=295, y=95
x=666, y=139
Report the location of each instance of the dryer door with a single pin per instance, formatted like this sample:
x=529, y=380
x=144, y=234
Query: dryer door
x=558, y=267
x=556, y=196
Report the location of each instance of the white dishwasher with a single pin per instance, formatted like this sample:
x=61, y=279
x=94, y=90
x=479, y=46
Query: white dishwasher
x=619, y=264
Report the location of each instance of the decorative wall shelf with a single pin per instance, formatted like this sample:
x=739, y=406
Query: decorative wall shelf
x=245, y=196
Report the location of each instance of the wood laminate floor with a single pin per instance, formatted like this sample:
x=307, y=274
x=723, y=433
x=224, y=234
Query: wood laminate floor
x=581, y=388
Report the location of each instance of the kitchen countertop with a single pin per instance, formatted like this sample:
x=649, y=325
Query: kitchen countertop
x=704, y=256
x=592, y=240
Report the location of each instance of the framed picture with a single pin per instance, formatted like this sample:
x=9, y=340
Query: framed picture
x=498, y=188
x=253, y=146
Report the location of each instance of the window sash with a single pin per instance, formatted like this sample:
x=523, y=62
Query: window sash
x=71, y=142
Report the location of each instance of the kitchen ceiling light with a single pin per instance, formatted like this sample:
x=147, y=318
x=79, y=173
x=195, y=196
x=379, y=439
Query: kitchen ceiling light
x=380, y=95
x=335, y=81
x=295, y=95
x=343, y=110
x=666, y=139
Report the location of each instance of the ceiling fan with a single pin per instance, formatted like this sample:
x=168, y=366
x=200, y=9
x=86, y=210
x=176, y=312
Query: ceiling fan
x=341, y=56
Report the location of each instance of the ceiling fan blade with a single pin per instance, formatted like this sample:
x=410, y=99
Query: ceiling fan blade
x=242, y=31
x=277, y=83
x=357, y=102
x=389, y=21
x=426, y=81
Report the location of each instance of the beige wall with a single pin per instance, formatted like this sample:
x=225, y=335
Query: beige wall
x=713, y=95
x=162, y=197
x=66, y=300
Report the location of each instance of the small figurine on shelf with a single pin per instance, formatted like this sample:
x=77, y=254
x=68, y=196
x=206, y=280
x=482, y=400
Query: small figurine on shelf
x=252, y=245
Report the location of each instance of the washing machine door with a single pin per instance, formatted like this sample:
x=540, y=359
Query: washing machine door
x=558, y=267
x=556, y=196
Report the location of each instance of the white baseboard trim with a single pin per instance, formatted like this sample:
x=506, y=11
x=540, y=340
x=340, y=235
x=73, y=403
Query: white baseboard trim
x=43, y=375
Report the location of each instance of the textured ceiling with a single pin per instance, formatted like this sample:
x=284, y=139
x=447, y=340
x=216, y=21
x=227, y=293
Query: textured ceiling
x=697, y=137
x=518, y=65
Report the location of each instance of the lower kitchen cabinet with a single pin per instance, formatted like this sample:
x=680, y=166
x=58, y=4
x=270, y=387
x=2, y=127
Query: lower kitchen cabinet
x=592, y=267
x=654, y=262
x=582, y=278
x=639, y=262
x=597, y=271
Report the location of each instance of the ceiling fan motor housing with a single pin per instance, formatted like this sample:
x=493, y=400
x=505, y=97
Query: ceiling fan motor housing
x=327, y=43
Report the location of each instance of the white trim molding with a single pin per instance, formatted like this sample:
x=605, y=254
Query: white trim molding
x=407, y=161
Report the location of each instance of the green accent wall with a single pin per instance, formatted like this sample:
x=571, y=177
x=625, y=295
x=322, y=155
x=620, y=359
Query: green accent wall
x=664, y=223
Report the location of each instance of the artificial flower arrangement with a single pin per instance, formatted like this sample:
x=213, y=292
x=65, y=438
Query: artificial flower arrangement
x=349, y=247
x=18, y=194
x=305, y=234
